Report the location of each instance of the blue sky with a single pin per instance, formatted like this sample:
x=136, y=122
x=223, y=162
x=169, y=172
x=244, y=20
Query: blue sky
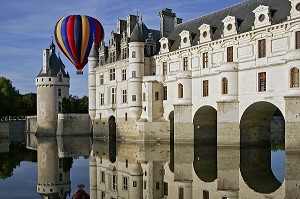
x=26, y=27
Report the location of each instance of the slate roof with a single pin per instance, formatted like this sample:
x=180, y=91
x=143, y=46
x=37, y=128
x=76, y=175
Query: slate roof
x=140, y=32
x=55, y=65
x=94, y=51
x=242, y=11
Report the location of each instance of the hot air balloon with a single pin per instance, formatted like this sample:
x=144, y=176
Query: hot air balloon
x=75, y=35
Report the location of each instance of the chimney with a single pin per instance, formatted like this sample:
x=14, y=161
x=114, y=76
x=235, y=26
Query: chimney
x=167, y=21
x=131, y=21
x=121, y=26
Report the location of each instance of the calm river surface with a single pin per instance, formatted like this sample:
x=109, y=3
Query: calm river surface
x=52, y=167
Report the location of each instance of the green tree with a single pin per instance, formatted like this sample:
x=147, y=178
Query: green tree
x=73, y=104
x=9, y=98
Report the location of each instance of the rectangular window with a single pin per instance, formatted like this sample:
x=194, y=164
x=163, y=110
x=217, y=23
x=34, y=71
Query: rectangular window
x=114, y=182
x=205, y=60
x=59, y=92
x=133, y=98
x=205, y=194
x=133, y=54
x=60, y=177
x=126, y=119
x=102, y=177
x=124, y=74
x=101, y=80
x=157, y=185
x=205, y=88
x=101, y=60
x=112, y=74
x=144, y=96
x=59, y=107
x=166, y=188
x=125, y=183
x=185, y=63
x=101, y=98
x=60, y=78
x=114, y=56
x=113, y=95
x=262, y=82
x=102, y=195
x=261, y=48
x=297, y=39
x=180, y=193
x=165, y=68
x=165, y=92
x=134, y=183
x=133, y=74
x=145, y=184
x=230, y=54
x=110, y=57
x=124, y=96
x=156, y=95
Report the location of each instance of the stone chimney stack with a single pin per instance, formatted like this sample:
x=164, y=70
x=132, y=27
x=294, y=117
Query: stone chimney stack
x=131, y=21
x=167, y=21
x=121, y=26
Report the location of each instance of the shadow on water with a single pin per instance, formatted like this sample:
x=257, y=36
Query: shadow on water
x=262, y=134
x=172, y=151
x=205, y=144
x=112, y=139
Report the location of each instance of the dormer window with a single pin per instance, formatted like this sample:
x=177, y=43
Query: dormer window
x=230, y=26
x=262, y=16
x=205, y=33
x=295, y=10
x=185, y=39
x=164, y=43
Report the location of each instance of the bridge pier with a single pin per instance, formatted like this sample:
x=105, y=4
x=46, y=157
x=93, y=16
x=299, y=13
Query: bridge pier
x=292, y=122
x=228, y=123
x=183, y=126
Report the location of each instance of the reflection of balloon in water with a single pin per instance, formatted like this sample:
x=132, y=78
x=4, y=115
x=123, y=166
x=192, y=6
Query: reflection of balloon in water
x=75, y=35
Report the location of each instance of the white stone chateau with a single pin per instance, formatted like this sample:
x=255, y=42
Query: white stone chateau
x=225, y=68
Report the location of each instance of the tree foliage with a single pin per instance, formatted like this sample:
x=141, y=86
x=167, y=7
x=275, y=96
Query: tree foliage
x=73, y=104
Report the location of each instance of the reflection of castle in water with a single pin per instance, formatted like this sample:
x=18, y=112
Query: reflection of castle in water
x=143, y=170
x=55, y=158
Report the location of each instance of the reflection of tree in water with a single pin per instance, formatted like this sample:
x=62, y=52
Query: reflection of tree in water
x=11, y=160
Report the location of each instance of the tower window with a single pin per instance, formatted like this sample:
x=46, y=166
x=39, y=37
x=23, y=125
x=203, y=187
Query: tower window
x=180, y=91
x=124, y=74
x=261, y=48
x=101, y=79
x=294, y=77
x=134, y=183
x=205, y=60
x=145, y=184
x=205, y=88
x=114, y=182
x=185, y=63
x=230, y=54
x=124, y=96
x=180, y=193
x=165, y=92
x=157, y=185
x=133, y=54
x=125, y=183
x=59, y=92
x=101, y=98
x=60, y=78
x=156, y=95
x=205, y=194
x=133, y=74
x=164, y=68
x=224, y=85
x=126, y=118
x=297, y=36
x=113, y=95
x=133, y=98
x=262, y=83
x=102, y=177
x=112, y=74
x=144, y=96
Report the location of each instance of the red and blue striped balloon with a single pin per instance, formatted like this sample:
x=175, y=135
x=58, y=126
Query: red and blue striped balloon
x=75, y=35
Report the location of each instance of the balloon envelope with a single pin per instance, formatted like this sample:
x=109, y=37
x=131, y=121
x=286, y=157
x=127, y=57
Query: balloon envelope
x=75, y=35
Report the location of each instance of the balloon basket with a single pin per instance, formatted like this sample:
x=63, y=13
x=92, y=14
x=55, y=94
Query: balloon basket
x=79, y=72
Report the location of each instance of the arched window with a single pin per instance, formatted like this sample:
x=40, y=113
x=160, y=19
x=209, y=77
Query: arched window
x=180, y=91
x=294, y=77
x=224, y=85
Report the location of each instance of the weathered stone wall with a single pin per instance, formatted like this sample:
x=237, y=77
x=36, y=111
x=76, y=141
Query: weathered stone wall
x=13, y=129
x=73, y=124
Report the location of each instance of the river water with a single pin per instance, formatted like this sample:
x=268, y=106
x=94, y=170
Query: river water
x=52, y=167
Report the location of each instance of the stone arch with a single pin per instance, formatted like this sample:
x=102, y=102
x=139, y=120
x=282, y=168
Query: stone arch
x=261, y=128
x=205, y=143
x=112, y=144
x=171, y=119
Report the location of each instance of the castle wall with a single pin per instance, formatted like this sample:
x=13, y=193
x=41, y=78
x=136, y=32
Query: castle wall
x=73, y=124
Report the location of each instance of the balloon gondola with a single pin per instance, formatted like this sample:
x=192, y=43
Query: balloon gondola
x=75, y=35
